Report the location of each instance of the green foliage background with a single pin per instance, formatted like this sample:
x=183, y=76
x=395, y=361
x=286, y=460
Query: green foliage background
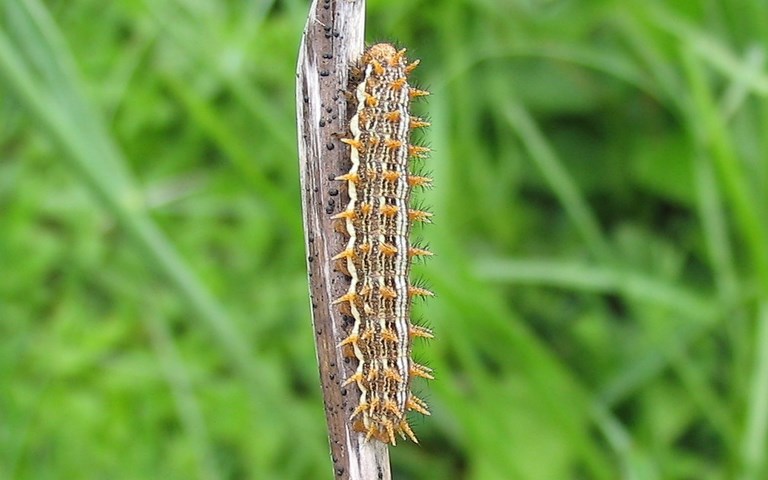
x=600, y=204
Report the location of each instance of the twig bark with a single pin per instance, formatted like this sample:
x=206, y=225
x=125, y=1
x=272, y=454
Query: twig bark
x=333, y=39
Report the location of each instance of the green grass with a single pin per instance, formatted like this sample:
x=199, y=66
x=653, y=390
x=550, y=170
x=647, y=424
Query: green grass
x=601, y=198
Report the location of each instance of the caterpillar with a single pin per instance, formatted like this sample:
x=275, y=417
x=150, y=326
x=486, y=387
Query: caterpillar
x=379, y=251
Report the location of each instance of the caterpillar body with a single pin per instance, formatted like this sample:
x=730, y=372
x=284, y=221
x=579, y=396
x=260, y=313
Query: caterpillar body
x=379, y=251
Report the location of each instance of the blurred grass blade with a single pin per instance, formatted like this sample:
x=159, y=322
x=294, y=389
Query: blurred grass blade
x=697, y=315
x=551, y=380
x=709, y=49
x=180, y=382
x=579, y=276
x=243, y=160
x=713, y=135
x=63, y=113
x=270, y=118
x=559, y=180
x=735, y=97
x=756, y=422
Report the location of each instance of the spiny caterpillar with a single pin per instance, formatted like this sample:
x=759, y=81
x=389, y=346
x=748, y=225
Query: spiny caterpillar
x=379, y=252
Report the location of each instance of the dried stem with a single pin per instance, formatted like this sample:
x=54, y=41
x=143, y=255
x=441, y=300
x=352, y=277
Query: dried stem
x=333, y=39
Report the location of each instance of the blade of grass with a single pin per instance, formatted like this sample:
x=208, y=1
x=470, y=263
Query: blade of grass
x=644, y=44
x=705, y=116
x=67, y=118
x=552, y=380
x=707, y=48
x=88, y=149
x=721, y=259
x=756, y=431
x=691, y=307
x=579, y=276
x=214, y=126
x=180, y=383
x=559, y=179
x=185, y=35
x=697, y=314
x=735, y=97
x=608, y=63
x=701, y=391
x=637, y=464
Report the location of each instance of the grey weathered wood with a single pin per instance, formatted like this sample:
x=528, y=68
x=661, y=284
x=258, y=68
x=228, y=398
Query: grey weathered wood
x=333, y=39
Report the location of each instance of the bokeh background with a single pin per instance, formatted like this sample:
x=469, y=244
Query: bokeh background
x=600, y=200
